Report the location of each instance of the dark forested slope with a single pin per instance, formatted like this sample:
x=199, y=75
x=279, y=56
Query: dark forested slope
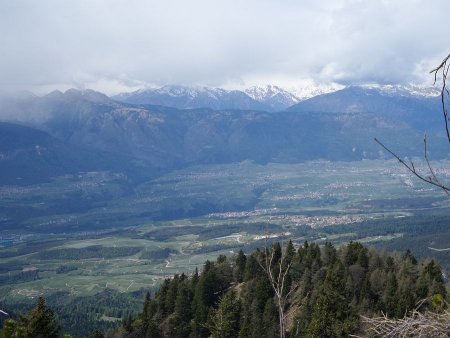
x=325, y=292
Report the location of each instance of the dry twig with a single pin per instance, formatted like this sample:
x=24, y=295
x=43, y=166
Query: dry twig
x=443, y=68
x=433, y=180
x=414, y=324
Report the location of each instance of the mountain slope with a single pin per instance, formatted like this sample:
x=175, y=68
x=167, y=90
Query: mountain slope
x=420, y=112
x=168, y=138
x=171, y=138
x=29, y=156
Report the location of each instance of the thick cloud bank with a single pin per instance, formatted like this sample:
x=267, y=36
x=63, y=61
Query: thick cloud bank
x=114, y=45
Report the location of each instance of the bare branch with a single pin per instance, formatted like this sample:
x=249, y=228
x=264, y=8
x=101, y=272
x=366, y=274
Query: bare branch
x=430, y=168
x=413, y=170
x=443, y=68
x=278, y=283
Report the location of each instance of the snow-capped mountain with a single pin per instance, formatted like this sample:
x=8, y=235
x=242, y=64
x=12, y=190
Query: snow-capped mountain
x=307, y=91
x=273, y=96
x=267, y=98
x=184, y=97
x=423, y=112
x=405, y=90
x=335, y=126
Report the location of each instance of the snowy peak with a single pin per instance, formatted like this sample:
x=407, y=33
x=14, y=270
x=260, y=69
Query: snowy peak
x=308, y=91
x=184, y=97
x=269, y=97
x=179, y=91
x=263, y=93
x=405, y=90
x=273, y=96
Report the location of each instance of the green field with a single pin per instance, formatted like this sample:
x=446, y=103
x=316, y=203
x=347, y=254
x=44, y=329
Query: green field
x=106, y=234
x=100, y=234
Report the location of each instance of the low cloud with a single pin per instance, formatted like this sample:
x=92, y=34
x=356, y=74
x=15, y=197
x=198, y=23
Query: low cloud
x=114, y=45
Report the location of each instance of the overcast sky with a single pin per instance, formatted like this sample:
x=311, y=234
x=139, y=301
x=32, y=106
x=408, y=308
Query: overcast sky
x=113, y=46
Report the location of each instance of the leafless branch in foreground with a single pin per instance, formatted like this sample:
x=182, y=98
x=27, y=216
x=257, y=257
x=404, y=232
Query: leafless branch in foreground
x=443, y=68
x=278, y=282
x=413, y=324
x=433, y=180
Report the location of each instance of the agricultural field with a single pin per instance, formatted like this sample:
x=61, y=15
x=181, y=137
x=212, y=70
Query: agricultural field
x=97, y=231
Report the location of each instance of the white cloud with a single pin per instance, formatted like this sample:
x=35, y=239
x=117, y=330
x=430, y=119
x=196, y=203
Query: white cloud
x=113, y=45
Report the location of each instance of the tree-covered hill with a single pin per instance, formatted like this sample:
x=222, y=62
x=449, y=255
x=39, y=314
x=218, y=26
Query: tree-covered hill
x=29, y=156
x=325, y=292
x=311, y=291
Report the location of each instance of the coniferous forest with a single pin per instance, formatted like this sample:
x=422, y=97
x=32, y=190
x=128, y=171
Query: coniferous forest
x=281, y=291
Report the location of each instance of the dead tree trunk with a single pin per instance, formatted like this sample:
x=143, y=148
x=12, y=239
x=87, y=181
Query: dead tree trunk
x=277, y=273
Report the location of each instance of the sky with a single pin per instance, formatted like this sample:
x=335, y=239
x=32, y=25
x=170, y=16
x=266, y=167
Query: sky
x=115, y=46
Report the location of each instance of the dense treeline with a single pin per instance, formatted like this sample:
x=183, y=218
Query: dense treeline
x=156, y=253
x=20, y=277
x=103, y=312
x=29, y=247
x=40, y=322
x=65, y=268
x=79, y=316
x=325, y=292
x=93, y=251
x=312, y=291
x=426, y=229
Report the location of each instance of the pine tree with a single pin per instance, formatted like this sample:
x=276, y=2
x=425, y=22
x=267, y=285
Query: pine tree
x=329, y=253
x=433, y=273
x=97, y=334
x=147, y=317
x=331, y=315
x=270, y=319
x=182, y=314
x=42, y=322
x=241, y=260
x=252, y=268
x=161, y=299
x=205, y=296
x=171, y=294
x=390, y=298
x=146, y=309
x=13, y=329
x=223, y=322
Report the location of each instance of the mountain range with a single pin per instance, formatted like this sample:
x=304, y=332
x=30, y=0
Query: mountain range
x=266, y=98
x=86, y=130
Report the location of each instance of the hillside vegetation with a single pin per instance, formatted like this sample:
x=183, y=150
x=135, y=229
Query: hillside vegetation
x=326, y=292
